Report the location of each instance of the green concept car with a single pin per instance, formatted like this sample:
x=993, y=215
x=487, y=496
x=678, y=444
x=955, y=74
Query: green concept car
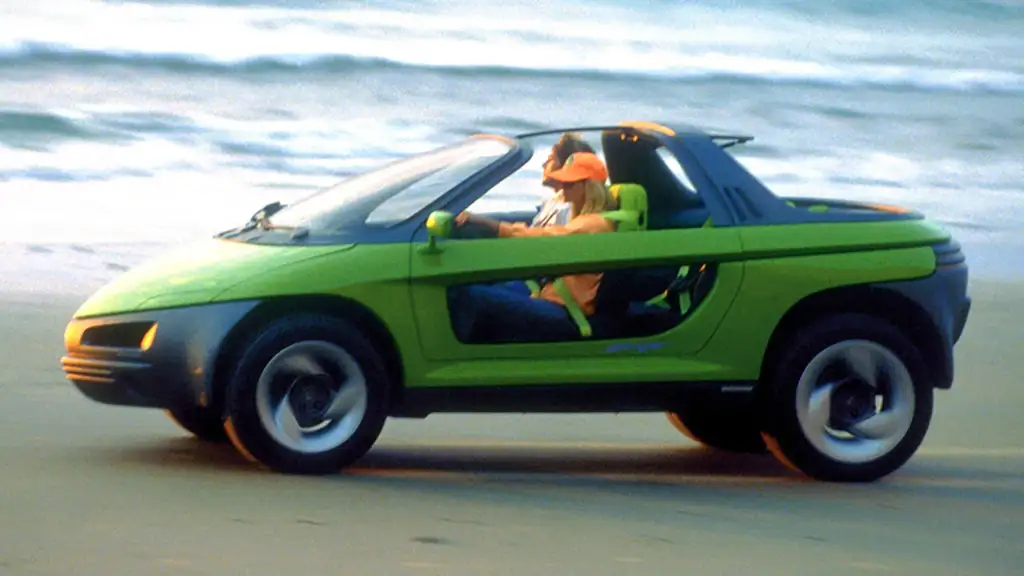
x=814, y=329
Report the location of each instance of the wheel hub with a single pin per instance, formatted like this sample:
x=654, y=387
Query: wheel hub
x=853, y=401
x=309, y=398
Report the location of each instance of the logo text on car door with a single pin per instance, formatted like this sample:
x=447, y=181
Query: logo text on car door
x=640, y=347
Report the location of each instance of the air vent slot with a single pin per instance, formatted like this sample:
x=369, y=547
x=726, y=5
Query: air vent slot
x=745, y=208
x=121, y=335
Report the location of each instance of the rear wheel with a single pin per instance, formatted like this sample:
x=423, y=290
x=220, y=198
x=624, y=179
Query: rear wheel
x=731, y=427
x=309, y=396
x=849, y=401
x=202, y=422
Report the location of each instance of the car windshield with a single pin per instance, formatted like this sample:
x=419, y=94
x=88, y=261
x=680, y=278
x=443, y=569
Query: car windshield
x=393, y=193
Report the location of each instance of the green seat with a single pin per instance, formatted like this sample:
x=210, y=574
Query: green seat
x=631, y=216
x=632, y=213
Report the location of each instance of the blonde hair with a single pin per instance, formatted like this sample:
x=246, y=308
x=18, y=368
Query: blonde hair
x=596, y=198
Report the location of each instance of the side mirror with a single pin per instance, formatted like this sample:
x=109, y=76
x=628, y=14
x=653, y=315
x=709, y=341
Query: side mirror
x=439, y=225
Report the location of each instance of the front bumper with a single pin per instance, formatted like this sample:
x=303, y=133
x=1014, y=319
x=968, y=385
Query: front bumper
x=156, y=359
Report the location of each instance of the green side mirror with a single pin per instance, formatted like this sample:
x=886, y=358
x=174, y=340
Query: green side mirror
x=439, y=225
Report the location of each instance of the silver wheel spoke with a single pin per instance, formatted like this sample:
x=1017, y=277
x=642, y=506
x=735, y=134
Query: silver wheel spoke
x=820, y=406
x=300, y=364
x=352, y=391
x=879, y=426
x=863, y=362
x=284, y=417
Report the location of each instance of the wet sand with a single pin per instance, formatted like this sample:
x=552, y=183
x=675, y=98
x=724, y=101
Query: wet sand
x=92, y=489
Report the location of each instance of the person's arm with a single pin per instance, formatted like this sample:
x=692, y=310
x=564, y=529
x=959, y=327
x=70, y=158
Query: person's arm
x=468, y=218
x=581, y=225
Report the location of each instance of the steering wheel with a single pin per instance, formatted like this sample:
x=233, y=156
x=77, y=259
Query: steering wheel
x=469, y=231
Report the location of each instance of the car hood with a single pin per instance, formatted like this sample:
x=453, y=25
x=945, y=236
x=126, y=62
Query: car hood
x=194, y=274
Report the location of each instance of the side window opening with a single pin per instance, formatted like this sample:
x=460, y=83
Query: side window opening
x=672, y=163
x=522, y=191
x=673, y=199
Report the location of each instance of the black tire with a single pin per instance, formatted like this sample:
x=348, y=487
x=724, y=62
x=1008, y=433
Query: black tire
x=244, y=425
x=730, y=427
x=205, y=423
x=783, y=432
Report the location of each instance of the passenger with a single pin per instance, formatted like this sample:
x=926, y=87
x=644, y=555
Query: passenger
x=508, y=312
x=556, y=210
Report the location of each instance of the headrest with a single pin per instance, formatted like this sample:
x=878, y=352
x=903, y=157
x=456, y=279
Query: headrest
x=632, y=212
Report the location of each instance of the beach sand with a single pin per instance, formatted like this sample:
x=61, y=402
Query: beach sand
x=92, y=489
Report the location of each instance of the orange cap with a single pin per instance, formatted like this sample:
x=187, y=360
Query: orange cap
x=580, y=166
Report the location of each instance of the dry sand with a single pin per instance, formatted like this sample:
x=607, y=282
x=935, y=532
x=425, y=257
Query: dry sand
x=91, y=489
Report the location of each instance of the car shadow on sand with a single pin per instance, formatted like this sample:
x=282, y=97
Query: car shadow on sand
x=493, y=471
x=611, y=460
x=446, y=462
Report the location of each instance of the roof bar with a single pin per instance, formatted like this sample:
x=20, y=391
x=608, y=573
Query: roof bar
x=576, y=129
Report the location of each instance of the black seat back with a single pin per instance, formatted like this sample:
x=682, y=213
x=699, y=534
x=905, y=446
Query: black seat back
x=622, y=286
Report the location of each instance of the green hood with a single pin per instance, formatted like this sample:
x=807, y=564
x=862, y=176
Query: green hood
x=195, y=274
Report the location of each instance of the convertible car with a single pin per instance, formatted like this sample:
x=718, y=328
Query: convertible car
x=815, y=329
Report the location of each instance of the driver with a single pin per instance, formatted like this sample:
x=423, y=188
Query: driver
x=506, y=312
x=555, y=210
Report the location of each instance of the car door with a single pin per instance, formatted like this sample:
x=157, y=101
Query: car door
x=498, y=259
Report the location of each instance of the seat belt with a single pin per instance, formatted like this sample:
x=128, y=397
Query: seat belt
x=575, y=312
x=678, y=284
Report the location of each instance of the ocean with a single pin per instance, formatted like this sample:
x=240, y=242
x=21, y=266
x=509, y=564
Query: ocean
x=130, y=124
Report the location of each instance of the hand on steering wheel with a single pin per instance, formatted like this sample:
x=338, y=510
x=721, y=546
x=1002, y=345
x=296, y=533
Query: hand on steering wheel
x=463, y=218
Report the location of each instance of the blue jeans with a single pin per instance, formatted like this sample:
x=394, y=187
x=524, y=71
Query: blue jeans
x=505, y=313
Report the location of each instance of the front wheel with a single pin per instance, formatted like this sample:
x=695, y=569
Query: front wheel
x=850, y=401
x=309, y=396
